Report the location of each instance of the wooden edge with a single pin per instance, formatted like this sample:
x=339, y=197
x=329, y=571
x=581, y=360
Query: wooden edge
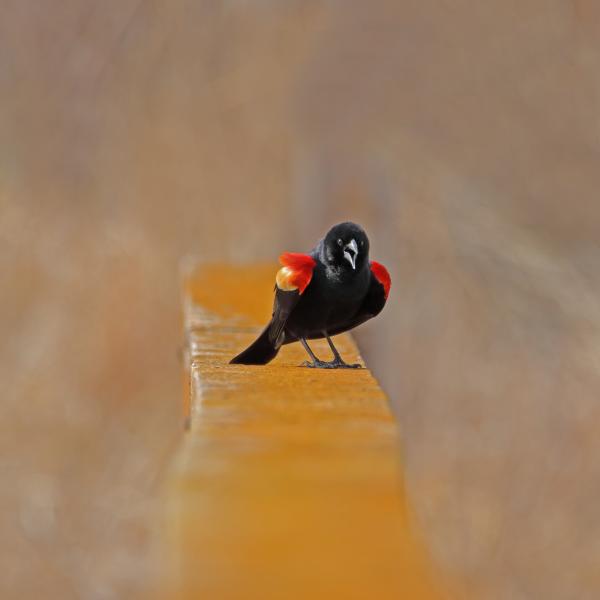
x=288, y=483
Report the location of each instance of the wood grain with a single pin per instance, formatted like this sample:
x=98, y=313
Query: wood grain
x=288, y=484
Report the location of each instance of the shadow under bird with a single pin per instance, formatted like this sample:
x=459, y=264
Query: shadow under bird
x=331, y=290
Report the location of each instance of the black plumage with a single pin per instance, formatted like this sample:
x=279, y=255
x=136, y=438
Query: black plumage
x=331, y=290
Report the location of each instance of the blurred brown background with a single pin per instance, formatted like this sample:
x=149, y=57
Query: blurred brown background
x=464, y=136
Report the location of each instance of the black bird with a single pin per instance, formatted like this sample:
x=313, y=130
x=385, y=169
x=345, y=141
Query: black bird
x=317, y=295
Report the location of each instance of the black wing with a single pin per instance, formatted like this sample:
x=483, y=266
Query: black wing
x=291, y=281
x=283, y=305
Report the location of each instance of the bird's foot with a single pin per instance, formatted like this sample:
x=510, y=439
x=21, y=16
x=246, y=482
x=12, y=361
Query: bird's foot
x=338, y=363
x=333, y=364
x=317, y=364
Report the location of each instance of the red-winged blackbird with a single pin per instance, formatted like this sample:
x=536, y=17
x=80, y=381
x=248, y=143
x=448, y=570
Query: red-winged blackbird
x=317, y=295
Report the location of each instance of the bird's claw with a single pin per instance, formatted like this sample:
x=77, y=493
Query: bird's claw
x=334, y=364
x=318, y=364
x=340, y=364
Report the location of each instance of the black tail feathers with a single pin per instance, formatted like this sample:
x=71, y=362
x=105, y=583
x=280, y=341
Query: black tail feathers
x=260, y=352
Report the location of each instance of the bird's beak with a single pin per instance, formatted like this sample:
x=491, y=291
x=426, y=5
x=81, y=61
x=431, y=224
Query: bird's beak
x=351, y=252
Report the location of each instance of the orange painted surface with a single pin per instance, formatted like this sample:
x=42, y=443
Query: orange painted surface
x=288, y=484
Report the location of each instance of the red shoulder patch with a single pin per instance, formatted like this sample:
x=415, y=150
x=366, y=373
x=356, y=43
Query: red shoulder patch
x=297, y=269
x=382, y=275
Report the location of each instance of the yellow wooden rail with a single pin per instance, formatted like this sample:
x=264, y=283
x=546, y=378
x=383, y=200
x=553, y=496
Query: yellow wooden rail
x=288, y=483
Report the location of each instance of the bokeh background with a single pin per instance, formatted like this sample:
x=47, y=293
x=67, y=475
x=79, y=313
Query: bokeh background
x=465, y=136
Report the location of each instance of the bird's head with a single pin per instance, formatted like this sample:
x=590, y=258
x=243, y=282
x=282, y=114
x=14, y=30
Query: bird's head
x=346, y=246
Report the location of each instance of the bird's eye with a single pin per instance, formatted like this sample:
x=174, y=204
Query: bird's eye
x=362, y=242
x=340, y=242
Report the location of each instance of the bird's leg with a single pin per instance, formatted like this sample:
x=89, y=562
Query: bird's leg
x=338, y=362
x=316, y=363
